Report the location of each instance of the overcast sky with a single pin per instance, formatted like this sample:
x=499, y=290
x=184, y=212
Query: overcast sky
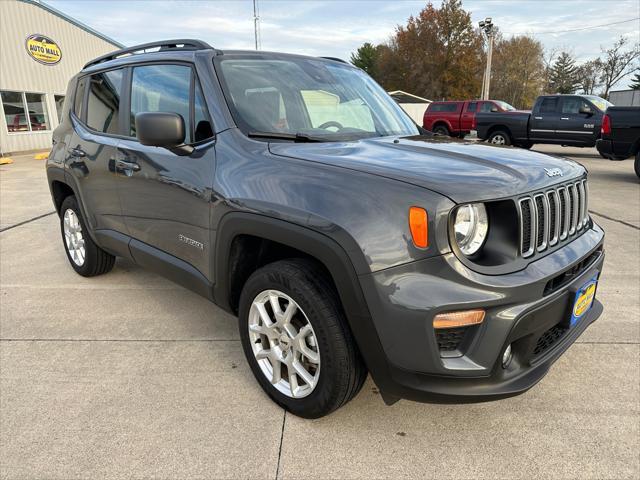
x=337, y=28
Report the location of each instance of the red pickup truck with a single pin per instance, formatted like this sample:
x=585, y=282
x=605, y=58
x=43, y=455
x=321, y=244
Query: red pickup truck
x=459, y=118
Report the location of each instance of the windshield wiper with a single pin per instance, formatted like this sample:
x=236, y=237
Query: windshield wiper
x=296, y=137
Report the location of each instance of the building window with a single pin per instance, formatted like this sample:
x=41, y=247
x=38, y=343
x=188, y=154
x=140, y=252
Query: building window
x=59, y=104
x=16, y=105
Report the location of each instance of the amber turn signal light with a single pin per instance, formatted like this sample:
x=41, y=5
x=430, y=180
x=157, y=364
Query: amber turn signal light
x=458, y=319
x=418, y=223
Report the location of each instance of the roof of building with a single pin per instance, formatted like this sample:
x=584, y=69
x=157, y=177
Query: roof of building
x=404, y=97
x=75, y=22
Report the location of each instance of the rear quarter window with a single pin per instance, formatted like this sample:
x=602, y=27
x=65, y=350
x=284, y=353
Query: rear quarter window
x=443, y=107
x=79, y=97
x=103, y=105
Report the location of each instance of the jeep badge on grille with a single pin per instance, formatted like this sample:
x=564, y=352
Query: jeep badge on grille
x=553, y=172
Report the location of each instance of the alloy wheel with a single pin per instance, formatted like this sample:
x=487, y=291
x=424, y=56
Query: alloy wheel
x=73, y=238
x=498, y=140
x=284, y=343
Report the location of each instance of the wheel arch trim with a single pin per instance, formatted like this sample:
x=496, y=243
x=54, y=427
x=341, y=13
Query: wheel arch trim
x=325, y=250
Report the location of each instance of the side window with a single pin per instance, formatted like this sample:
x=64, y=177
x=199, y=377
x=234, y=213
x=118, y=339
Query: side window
x=486, y=107
x=202, y=125
x=161, y=88
x=59, y=99
x=103, y=107
x=571, y=105
x=79, y=97
x=549, y=105
x=472, y=107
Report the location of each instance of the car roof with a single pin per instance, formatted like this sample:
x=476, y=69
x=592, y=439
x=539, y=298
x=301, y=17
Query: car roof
x=183, y=49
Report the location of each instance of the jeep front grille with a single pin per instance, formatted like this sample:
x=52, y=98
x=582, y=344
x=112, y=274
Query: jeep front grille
x=552, y=216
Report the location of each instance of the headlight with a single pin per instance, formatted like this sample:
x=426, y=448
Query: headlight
x=470, y=227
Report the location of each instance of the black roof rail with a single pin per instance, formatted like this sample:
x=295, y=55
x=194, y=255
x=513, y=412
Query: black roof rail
x=335, y=59
x=164, y=45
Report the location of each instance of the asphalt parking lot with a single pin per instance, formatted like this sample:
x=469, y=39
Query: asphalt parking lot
x=129, y=375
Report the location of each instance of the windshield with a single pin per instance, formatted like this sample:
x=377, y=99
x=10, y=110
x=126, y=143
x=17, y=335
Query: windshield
x=600, y=103
x=326, y=100
x=504, y=105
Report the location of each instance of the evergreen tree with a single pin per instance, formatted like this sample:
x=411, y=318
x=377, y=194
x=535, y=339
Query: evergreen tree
x=366, y=58
x=635, y=81
x=563, y=77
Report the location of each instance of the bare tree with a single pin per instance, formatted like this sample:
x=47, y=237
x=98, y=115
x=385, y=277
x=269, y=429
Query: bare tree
x=617, y=63
x=589, y=74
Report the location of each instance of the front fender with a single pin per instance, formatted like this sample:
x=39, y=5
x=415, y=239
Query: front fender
x=327, y=251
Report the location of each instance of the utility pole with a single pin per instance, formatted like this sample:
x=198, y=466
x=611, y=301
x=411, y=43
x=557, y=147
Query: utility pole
x=256, y=19
x=488, y=28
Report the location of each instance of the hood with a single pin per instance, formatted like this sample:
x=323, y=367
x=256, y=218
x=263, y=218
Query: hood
x=462, y=171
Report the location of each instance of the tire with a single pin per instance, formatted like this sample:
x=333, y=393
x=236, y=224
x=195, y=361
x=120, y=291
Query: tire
x=339, y=372
x=94, y=261
x=636, y=164
x=526, y=146
x=605, y=156
x=442, y=130
x=499, y=137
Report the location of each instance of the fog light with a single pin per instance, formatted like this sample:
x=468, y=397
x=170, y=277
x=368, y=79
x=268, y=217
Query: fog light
x=507, y=356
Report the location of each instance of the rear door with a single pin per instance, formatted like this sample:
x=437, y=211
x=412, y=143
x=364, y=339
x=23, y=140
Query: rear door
x=166, y=197
x=91, y=150
x=575, y=127
x=468, y=116
x=544, y=119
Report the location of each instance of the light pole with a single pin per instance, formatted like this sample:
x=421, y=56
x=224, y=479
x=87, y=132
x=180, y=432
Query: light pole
x=256, y=19
x=488, y=28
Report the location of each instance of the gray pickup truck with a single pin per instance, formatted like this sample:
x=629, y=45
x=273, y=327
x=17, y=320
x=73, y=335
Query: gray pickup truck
x=621, y=135
x=573, y=120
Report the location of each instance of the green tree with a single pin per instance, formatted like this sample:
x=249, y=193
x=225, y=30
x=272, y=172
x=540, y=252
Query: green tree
x=635, y=81
x=366, y=58
x=563, y=76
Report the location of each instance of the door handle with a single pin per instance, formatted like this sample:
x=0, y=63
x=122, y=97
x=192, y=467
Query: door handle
x=564, y=118
x=132, y=166
x=538, y=118
x=77, y=152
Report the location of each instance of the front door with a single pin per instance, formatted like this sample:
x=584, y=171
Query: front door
x=575, y=127
x=166, y=197
x=91, y=151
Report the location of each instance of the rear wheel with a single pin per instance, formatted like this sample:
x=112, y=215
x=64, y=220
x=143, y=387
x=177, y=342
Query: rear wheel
x=636, y=164
x=442, y=130
x=296, y=339
x=499, y=137
x=84, y=255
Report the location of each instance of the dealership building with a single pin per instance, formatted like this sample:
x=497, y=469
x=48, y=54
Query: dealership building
x=40, y=50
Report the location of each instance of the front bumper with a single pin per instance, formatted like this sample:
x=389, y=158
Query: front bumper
x=521, y=308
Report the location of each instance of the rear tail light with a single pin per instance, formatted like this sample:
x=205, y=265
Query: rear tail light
x=606, y=125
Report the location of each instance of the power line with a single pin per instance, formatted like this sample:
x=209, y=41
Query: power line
x=574, y=29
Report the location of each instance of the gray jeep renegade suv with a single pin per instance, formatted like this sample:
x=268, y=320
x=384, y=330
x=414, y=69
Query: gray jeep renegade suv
x=293, y=192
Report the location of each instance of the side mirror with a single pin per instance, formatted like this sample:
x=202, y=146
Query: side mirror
x=494, y=109
x=162, y=129
x=586, y=110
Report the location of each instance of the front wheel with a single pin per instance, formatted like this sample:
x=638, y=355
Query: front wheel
x=296, y=339
x=499, y=137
